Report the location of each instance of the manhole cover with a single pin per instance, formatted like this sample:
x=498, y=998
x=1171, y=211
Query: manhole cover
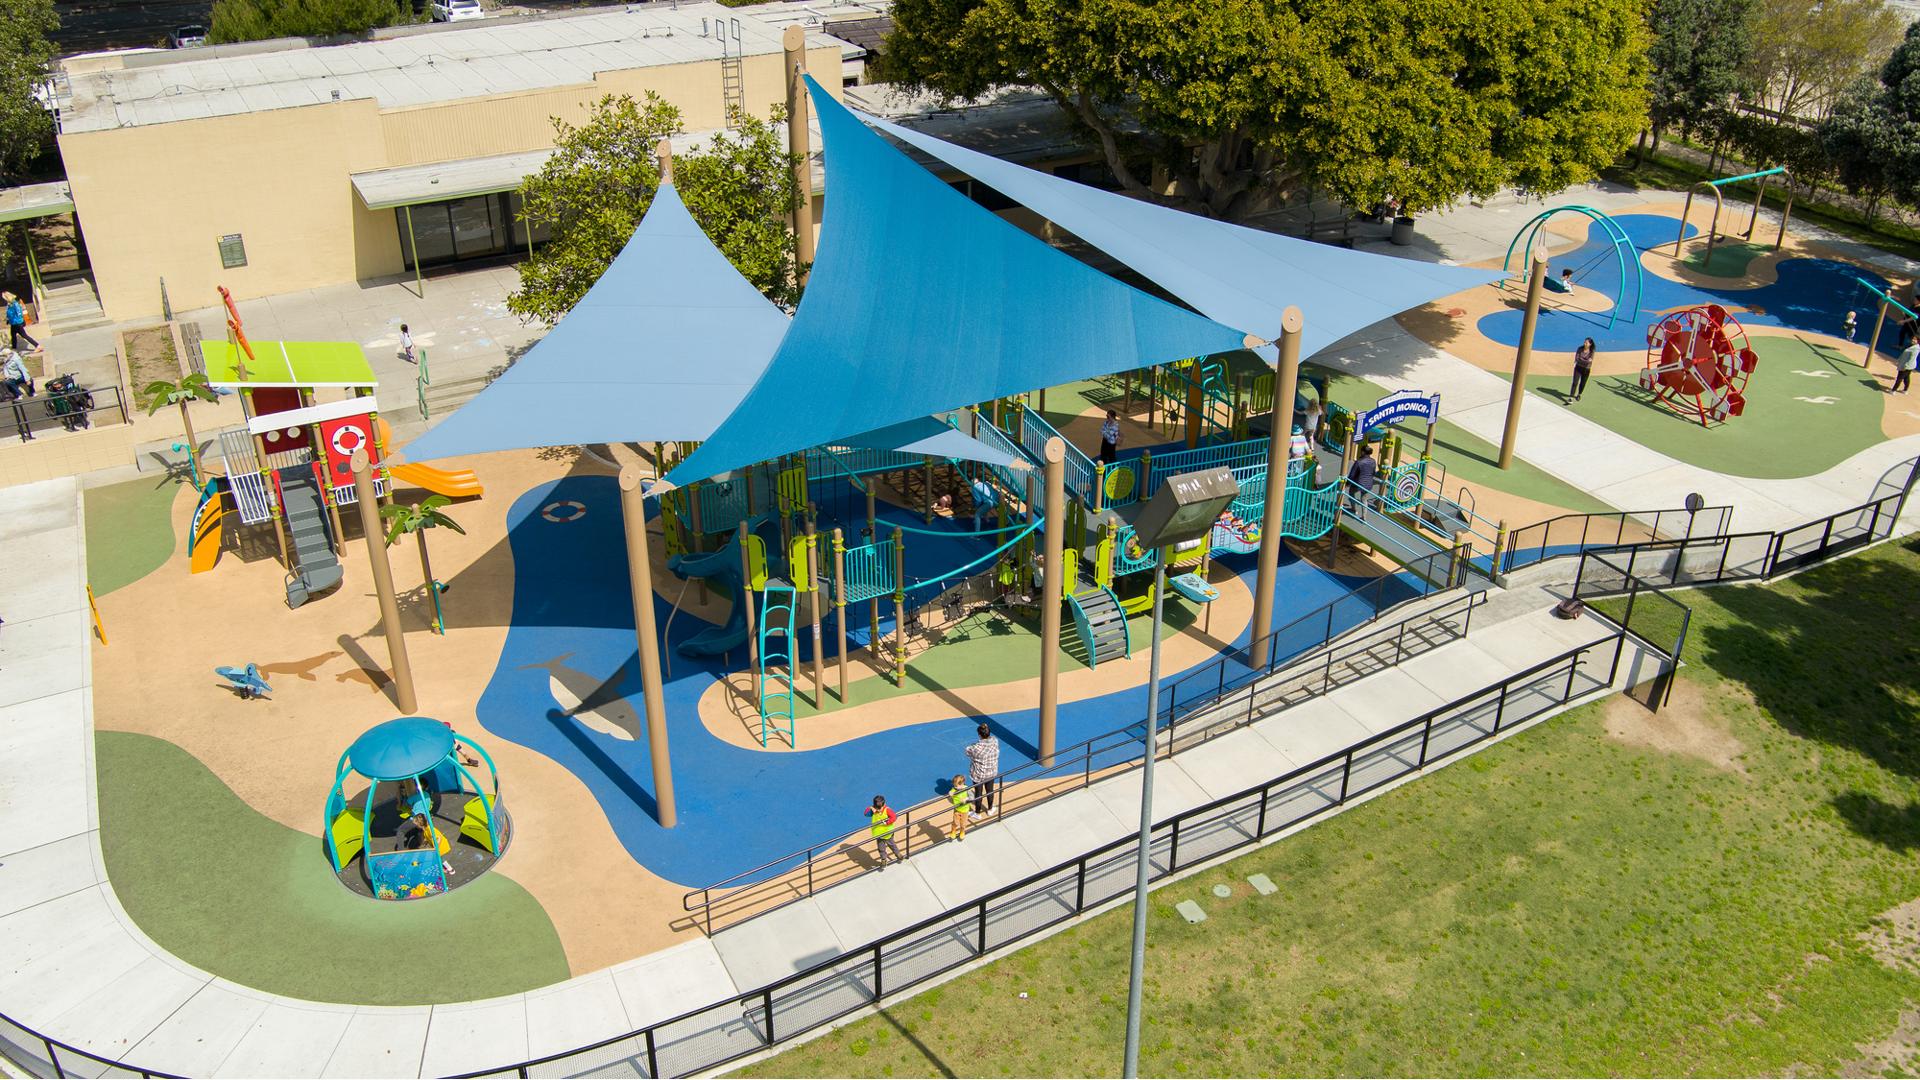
x=1223, y=891
x=1190, y=911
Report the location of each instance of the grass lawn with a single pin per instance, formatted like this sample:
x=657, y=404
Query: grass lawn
x=174, y=836
x=1809, y=407
x=1609, y=893
x=1468, y=457
x=129, y=531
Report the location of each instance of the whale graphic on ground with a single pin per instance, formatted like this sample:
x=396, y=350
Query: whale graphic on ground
x=597, y=704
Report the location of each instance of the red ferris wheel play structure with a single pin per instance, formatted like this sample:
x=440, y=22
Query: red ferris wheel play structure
x=1698, y=361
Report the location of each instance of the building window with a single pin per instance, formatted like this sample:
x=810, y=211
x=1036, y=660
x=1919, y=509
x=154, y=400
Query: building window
x=476, y=227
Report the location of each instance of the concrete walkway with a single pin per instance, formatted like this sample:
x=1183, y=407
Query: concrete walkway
x=75, y=967
x=1596, y=459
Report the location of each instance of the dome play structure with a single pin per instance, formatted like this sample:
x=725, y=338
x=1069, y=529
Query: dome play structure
x=1698, y=362
x=423, y=825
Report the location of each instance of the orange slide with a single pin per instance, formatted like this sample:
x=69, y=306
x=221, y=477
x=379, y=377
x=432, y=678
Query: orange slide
x=460, y=484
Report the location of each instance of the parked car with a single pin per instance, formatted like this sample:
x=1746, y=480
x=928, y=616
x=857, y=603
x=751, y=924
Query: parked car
x=456, y=10
x=187, y=37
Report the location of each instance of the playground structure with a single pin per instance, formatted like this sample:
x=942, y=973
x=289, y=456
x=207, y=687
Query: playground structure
x=1698, y=363
x=1719, y=202
x=289, y=464
x=1626, y=257
x=458, y=828
x=1880, y=318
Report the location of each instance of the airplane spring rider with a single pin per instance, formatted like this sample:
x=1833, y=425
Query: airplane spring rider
x=1698, y=362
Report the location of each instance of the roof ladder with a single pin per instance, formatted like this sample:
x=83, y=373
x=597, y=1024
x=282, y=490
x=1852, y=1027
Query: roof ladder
x=732, y=85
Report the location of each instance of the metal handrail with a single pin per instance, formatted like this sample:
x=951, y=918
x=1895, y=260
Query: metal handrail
x=1512, y=558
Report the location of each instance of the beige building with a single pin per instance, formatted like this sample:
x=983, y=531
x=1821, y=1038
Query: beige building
x=279, y=166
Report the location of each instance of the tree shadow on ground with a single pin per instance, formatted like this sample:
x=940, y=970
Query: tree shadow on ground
x=1833, y=656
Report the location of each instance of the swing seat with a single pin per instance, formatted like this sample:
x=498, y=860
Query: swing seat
x=1556, y=285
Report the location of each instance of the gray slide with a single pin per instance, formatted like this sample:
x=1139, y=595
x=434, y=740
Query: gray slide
x=315, y=567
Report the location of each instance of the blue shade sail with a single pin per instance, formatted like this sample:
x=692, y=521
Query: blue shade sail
x=662, y=348
x=1238, y=276
x=922, y=301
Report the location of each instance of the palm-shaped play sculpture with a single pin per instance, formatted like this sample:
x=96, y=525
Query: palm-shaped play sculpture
x=417, y=520
x=161, y=393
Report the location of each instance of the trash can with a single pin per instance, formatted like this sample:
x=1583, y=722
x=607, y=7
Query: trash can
x=1402, y=231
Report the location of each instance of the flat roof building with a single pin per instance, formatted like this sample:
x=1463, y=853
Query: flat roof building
x=278, y=166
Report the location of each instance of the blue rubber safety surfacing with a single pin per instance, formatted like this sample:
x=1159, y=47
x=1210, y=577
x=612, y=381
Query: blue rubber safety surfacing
x=1808, y=294
x=573, y=619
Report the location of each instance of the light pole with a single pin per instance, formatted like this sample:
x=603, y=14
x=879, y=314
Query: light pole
x=1184, y=508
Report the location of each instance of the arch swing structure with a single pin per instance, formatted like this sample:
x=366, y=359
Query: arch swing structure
x=1625, y=254
x=1719, y=203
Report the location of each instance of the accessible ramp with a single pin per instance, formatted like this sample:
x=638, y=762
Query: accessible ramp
x=315, y=567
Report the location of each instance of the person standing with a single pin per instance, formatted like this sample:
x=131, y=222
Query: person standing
x=983, y=766
x=406, y=344
x=881, y=819
x=13, y=372
x=1582, y=367
x=962, y=802
x=17, y=322
x=1362, y=475
x=1110, y=438
x=1909, y=359
x=1850, y=325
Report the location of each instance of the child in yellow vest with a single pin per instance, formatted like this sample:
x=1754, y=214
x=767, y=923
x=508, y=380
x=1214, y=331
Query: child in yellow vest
x=962, y=800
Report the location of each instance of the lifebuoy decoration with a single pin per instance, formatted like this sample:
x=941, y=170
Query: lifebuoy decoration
x=340, y=438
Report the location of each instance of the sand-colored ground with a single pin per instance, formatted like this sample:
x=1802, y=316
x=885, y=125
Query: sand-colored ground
x=326, y=661
x=1451, y=323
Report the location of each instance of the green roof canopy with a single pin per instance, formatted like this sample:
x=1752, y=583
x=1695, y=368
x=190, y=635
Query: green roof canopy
x=289, y=363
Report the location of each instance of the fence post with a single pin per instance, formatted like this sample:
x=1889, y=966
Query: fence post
x=1346, y=776
x=653, y=1056
x=878, y=992
x=1500, y=708
x=1260, y=826
x=982, y=951
x=766, y=1003
x=1173, y=853
x=1080, y=888
x=1426, y=734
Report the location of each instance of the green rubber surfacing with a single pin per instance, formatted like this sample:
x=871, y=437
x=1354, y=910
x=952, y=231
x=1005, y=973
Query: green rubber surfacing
x=229, y=890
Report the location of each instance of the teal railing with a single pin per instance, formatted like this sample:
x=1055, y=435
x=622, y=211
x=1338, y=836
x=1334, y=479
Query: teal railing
x=869, y=570
x=1034, y=433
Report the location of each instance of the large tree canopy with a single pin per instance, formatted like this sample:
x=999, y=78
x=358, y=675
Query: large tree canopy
x=1698, y=58
x=601, y=178
x=1240, y=102
x=1872, y=136
x=25, y=54
x=1807, y=52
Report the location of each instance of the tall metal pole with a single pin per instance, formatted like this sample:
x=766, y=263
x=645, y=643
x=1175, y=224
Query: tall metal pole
x=633, y=506
x=799, y=144
x=1142, y=863
x=1524, y=356
x=1054, y=561
x=1286, y=382
x=383, y=582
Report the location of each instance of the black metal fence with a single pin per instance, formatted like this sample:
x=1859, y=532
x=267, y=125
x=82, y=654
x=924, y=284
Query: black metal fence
x=1571, y=534
x=30, y=416
x=707, y=1038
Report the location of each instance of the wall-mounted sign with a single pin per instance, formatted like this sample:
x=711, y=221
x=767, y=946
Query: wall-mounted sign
x=233, y=251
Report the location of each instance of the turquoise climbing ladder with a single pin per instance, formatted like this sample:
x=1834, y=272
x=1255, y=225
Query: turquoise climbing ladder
x=776, y=661
x=1102, y=624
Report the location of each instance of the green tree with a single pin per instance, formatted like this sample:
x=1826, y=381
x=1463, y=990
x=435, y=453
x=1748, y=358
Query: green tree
x=26, y=55
x=417, y=519
x=1696, y=61
x=596, y=187
x=1807, y=52
x=1230, y=106
x=161, y=393
x=257, y=20
x=1872, y=135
